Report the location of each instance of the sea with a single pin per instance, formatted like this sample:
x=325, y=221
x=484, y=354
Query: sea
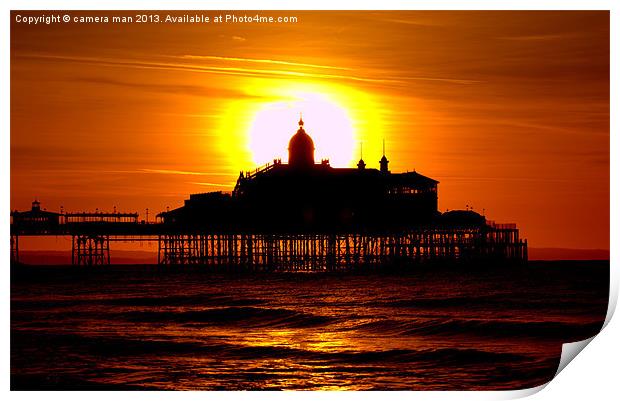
x=179, y=328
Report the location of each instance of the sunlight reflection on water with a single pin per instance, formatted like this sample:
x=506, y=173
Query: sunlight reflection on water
x=197, y=331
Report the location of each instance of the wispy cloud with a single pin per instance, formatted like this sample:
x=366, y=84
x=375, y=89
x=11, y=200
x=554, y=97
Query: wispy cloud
x=412, y=21
x=195, y=90
x=539, y=38
x=438, y=79
x=263, y=61
x=211, y=184
x=181, y=172
x=243, y=71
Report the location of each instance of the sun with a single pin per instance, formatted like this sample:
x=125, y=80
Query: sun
x=339, y=119
x=326, y=121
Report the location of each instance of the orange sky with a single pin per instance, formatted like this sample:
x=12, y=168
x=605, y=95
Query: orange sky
x=508, y=110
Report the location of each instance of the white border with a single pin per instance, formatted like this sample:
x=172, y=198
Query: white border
x=594, y=374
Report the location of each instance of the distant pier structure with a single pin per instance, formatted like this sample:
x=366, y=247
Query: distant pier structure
x=296, y=216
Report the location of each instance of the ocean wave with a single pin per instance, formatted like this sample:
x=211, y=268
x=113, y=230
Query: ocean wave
x=497, y=301
x=172, y=300
x=97, y=346
x=487, y=328
x=183, y=300
x=248, y=316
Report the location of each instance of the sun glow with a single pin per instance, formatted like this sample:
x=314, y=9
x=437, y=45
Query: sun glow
x=326, y=121
x=337, y=118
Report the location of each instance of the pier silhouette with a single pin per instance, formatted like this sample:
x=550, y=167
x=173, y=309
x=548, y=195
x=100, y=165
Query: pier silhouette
x=300, y=215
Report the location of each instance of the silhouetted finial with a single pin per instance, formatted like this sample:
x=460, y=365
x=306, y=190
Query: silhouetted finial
x=361, y=165
x=301, y=121
x=384, y=161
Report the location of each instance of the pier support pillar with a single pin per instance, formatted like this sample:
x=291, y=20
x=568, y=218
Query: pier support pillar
x=14, y=249
x=179, y=249
x=90, y=250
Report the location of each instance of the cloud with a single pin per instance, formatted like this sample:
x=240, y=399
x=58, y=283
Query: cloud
x=262, y=61
x=539, y=38
x=427, y=22
x=181, y=172
x=195, y=90
x=239, y=71
x=248, y=72
x=438, y=79
x=211, y=184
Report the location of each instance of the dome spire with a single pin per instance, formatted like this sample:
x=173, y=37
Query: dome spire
x=301, y=148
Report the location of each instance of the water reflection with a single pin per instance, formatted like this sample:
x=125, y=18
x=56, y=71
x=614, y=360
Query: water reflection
x=125, y=329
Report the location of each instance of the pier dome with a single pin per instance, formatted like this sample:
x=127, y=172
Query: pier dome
x=301, y=148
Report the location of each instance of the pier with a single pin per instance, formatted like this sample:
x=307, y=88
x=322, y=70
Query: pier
x=295, y=216
x=342, y=251
x=92, y=233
